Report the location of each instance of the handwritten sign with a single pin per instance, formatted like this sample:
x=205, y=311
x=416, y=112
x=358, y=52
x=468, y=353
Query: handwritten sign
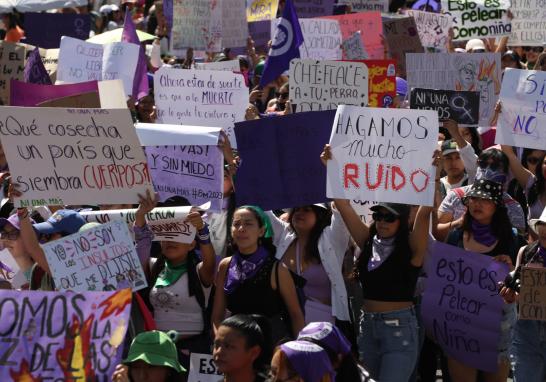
x=261, y=10
x=230, y=65
x=167, y=223
x=46, y=29
x=234, y=23
x=321, y=39
x=197, y=24
x=292, y=176
x=193, y=172
x=523, y=116
x=98, y=259
x=532, y=297
x=60, y=336
x=383, y=155
x=12, y=66
x=462, y=107
x=201, y=98
x=369, y=5
x=382, y=82
x=353, y=48
x=528, y=23
x=71, y=156
x=433, y=28
x=313, y=8
x=81, y=61
x=459, y=71
x=203, y=368
x=367, y=21
x=478, y=18
x=461, y=306
x=402, y=38
x=50, y=59
x=322, y=85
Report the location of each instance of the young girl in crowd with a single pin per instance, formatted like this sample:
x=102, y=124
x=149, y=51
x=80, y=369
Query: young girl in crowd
x=251, y=281
x=242, y=348
x=486, y=229
x=388, y=268
x=312, y=244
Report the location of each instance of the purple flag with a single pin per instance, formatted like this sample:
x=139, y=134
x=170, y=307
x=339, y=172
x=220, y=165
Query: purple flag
x=35, y=71
x=140, y=82
x=25, y=94
x=461, y=307
x=285, y=45
x=280, y=165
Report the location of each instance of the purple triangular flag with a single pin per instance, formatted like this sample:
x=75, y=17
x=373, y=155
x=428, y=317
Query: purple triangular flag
x=35, y=71
x=140, y=82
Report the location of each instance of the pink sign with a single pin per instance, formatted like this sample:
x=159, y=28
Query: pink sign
x=25, y=94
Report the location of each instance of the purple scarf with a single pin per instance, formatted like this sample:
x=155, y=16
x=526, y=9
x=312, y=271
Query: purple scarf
x=244, y=267
x=482, y=233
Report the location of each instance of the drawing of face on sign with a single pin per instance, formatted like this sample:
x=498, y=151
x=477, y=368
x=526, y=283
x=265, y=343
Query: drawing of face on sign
x=488, y=84
x=467, y=74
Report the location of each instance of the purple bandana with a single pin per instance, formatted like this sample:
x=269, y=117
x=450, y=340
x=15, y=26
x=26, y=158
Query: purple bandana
x=310, y=361
x=326, y=335
x=242, y=268
x=381, y=250
x=482, y=233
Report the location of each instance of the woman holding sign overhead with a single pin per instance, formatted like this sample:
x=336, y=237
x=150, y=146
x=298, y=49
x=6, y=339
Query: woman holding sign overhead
x=486, y=229
x=387, y=269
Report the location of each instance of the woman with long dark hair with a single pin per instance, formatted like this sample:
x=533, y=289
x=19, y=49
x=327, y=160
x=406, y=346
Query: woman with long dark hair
x=312, y=244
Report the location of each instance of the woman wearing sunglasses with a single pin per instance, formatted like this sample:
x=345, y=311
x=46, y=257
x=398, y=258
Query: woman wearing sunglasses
x=391, y=259
x=531, y=54
x=280, y=105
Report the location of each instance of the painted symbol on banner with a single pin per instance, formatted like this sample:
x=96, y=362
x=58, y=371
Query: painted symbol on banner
x=283, y=38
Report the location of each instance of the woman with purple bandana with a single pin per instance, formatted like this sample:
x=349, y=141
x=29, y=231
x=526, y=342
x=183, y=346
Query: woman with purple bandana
x=486, y=229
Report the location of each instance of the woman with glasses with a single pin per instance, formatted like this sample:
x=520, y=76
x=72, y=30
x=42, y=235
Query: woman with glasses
x=387, y=269
x=531, y=54
x=10, y=237
x=280, y=105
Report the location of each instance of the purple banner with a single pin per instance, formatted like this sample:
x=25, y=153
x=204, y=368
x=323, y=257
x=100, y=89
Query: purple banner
x=24, y=94
x=62, y=336
x=314, y=8
x=260, y=31
x=193, y=172
x=461, y=307
x=281, y=165
x=46, y=29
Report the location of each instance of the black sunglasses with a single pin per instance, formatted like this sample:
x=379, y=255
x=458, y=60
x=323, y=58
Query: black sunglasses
x=388, y=217
x=281, y=95
x=536, y=49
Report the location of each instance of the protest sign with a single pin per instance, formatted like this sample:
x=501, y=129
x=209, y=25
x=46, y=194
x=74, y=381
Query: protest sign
x=197, y=24
x=322, y=85
x=50, y=59
x=532, y=296
x=321, y=39
x=367, y=21
x=261, y=10
x=46, y=29
x=369, y=5
x=459, y=71
x=353, y=48
x=478, y=18
x=62, y=336
x=201, y=98
x=24, y=94
x=193, y=172
x=433, y=28
x=101, y=258
x=10, y=271
x=203, y=368
x=81, y=61
x=167, y=223
x=159, y=134
x=71, y=156
x=402, y=37
x=12, y=67
x=382, y=82
x=383, y=155
x=528, y=23
x=234, y=23
x=462, y=107
x=112, y=95
x=313, y=8
x=363, y=209
x=230, y=65
x=292, y=175
x=461, y=306
x=523, y=118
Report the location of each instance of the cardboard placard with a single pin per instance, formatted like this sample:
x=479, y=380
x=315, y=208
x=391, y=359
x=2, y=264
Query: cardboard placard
x=433, y=28
x=528, y=23
x=12, y=66
x=402, y=38
x=321, y=39
x=532, y=296
x=261, y=10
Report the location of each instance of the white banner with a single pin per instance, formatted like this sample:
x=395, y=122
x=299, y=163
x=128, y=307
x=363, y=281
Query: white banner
x=201, y=98
x=73, y=156
x=197, y=24
x=383, y=155
x=433, y=28
x=528, y=23
x=522, y=122
x=102, y=258
x=81, y=61
x=167, y=223
x=478, y=18
x=322, y=85
x=459, y=71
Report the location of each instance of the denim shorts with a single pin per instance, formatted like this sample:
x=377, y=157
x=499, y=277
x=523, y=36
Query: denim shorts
x=389, y=344
x=528, y=353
